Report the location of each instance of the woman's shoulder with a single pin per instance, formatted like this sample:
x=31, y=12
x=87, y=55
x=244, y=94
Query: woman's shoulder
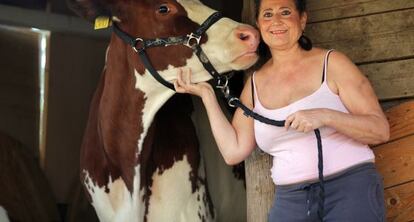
x=336, y=57
x=341, y=67
x=337, y=60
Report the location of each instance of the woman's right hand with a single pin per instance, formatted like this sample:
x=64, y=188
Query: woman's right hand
x=183, y=84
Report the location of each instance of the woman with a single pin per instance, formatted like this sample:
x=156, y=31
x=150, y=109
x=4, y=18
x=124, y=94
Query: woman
x=310, y=88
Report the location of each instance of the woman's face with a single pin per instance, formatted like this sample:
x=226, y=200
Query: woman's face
x=280, y=23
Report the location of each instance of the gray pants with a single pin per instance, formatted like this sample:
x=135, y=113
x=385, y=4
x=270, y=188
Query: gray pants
x=353, y=196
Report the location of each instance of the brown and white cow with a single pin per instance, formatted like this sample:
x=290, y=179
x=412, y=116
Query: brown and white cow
x=140, y=157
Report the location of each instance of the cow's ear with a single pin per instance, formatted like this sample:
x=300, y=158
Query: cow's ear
x=88, y=9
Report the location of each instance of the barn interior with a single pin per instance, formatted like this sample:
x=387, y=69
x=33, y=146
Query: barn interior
x=51, y=62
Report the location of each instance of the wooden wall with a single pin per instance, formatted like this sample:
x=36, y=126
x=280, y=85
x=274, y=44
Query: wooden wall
x=19, y=91
x=378, y=35
x=76, y=63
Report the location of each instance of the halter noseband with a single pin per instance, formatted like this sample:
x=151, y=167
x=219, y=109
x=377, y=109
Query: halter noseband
x=191, y=40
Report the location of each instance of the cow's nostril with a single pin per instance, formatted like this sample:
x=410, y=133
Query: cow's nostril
x=243, y=36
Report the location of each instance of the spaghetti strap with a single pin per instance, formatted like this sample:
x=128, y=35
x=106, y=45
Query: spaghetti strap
x=325, y=64
x=252, y=86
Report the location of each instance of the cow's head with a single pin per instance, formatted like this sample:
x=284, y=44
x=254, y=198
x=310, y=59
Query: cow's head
x=229, y=45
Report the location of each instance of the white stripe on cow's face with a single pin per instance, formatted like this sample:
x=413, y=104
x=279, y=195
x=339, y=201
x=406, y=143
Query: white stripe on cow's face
x=223, y=45
x=117, y=205
x=166, y=204
x=3, y=215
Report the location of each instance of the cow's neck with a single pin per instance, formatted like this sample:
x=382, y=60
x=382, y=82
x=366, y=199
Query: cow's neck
x=127, y=106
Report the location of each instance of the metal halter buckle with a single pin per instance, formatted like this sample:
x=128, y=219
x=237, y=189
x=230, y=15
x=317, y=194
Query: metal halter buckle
x=231, y=100
x=135, y=45
x=220, y=81
x=190, y=38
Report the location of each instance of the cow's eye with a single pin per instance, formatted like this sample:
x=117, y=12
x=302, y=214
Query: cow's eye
x=163, y=9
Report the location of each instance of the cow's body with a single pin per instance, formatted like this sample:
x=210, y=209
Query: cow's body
x=140, y=155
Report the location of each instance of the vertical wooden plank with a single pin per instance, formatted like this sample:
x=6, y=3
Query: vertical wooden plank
x=259, y=185
x=19, y=88
x=248, y=14
x=75, y=66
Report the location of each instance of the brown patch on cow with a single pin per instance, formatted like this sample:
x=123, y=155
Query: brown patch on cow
x=171, y=136
x=111, y=137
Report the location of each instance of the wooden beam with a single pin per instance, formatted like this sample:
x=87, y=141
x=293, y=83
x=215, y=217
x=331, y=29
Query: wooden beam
x=15, y=16
x=395, y=161
x=249, y=12
x=391, y=80
x=368, y=39
x=399, y=202
x=259, y=185
x=323, y=10
x=401, y=120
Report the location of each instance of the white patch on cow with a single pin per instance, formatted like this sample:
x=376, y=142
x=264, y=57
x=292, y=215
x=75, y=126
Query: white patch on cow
x=118, y=204
x=155, y=96
x=3, y=215
x=166, y=204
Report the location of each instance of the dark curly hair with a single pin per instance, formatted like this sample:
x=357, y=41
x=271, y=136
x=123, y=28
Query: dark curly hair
x=300, y=6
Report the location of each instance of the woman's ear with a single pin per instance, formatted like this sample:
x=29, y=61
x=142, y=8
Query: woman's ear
x=303, y=20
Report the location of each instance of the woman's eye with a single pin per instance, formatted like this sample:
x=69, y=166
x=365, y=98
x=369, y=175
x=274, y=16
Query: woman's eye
x=267, y=15
x=286, y=12
x=163, y=9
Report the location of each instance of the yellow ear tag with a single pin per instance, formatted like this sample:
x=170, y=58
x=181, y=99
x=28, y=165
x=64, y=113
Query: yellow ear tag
x=102, y=22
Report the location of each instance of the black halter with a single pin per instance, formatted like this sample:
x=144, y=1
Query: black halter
x=191, y=40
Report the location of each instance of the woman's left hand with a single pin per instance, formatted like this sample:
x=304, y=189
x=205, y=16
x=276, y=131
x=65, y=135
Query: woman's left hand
x=306, y=120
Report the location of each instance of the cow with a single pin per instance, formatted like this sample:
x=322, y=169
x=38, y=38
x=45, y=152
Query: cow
x=3, y=215
x=140, y=157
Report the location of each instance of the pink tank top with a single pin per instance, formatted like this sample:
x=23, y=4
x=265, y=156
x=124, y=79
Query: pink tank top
x=295, y=154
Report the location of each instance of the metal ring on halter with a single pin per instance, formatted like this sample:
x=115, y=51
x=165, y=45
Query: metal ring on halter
x=219, y=81
x=226, y=91
x=135, y=45
x=231, y=100
x=191, y=37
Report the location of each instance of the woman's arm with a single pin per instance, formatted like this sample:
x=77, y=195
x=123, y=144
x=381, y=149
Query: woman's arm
x=235, y=140
x=366, y=122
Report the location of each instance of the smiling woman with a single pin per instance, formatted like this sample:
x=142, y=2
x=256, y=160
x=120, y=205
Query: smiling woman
x=312, y=89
